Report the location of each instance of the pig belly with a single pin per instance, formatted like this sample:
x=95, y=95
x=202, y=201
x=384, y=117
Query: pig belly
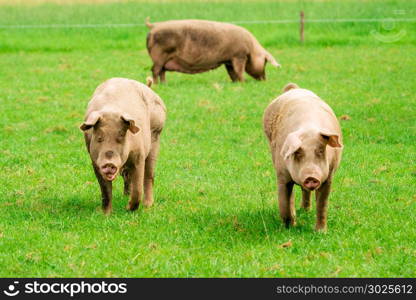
x=180, y=66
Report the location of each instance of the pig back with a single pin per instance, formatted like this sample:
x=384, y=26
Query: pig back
x=156, y=108
x=122, y=96
x=208, y=41
x=296, y=109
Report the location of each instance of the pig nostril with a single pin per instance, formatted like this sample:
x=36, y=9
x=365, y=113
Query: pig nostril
x=109, y=154
x=311, y=183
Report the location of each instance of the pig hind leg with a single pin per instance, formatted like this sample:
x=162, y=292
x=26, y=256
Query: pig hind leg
x=162, y=75
x=149, y=172
x=157, y=71
x=287, y=203
x=159, y=59
x=127, y=182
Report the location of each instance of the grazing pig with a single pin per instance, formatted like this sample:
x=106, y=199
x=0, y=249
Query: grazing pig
x=195, y=46
x=306, y=144
x=122, y=127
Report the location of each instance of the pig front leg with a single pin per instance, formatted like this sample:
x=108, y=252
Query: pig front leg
x=287, y=203
x=239, y=65
x=137, y=175
x=322, y=205
x=106, y=191
x=231, y=72
x=306, y=200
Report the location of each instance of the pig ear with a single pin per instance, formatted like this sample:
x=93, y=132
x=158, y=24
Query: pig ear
x=331, y=138
x=130, y=123
x=291, y=144
x=92, y=119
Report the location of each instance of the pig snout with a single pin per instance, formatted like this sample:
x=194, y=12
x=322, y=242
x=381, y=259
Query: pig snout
x=109, y=154
x=109, y=171
x=311, y=183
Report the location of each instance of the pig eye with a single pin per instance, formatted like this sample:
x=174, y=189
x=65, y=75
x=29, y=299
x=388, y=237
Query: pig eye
x=100, y=139
x=319, y=152
x=298, y=154
x=120, y=137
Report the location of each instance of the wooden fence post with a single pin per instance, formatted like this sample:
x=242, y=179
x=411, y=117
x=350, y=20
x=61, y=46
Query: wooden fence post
x=302, y=24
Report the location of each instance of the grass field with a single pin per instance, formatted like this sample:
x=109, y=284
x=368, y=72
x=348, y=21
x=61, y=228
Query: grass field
x=215, y=212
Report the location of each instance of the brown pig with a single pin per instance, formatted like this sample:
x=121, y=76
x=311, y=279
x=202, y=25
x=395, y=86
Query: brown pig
x=195, y=46
x=122, y=127
x=306, y=144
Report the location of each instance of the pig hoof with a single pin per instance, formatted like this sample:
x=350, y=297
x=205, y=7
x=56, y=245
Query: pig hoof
x=321, y=228
x=289, y=222
x=107, y=211
x=307, y=208
x=147, y=205
x=132, y=206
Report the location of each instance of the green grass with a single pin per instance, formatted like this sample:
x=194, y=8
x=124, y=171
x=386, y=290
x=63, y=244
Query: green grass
x=215, y=211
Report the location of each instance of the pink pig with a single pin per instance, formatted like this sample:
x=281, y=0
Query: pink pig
x=306, y=143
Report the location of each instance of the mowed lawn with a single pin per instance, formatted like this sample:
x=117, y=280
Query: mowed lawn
x=215, y=212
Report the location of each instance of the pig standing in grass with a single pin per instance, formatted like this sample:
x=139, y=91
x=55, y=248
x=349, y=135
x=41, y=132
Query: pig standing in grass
x=122, y=127
x=306, y=144
x=195, y=46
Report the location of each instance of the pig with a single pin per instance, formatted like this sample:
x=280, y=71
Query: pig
x=305, y=140
x=122, y=128
x=195, y=46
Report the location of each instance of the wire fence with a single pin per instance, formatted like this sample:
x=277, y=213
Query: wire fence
x=361, y=20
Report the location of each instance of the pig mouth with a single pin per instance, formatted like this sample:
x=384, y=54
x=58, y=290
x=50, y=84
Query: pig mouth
x=109, y=172
x=310, y=189
x=110, y=177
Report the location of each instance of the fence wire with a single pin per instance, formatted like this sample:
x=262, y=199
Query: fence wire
x=46, y=26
